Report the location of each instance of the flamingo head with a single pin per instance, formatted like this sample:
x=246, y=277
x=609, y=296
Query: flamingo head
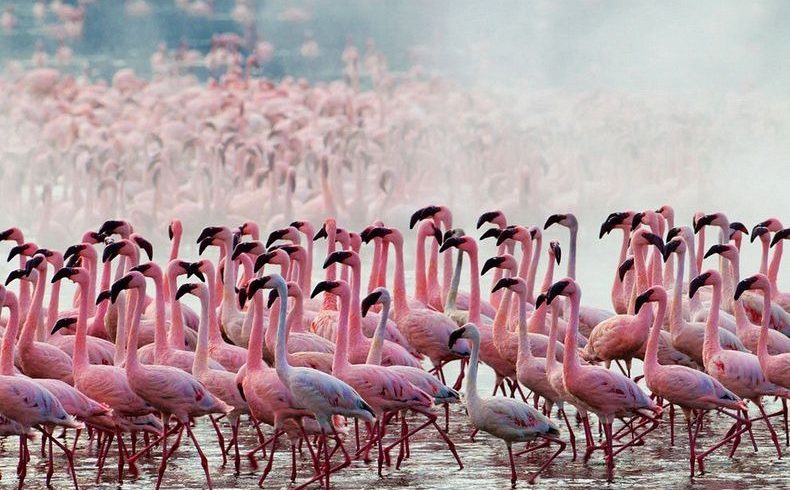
x=757, y=281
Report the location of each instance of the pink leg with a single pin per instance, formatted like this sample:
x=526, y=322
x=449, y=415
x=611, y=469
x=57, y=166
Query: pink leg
x=607, y=427
x=571, y=435
x=545, y=465
x=774, y=437
x=275, y=438
x=740, y=426
x=220, y=439
x=513, y=476
x=203, y=459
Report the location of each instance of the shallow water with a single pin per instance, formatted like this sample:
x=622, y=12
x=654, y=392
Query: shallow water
x=655, y=465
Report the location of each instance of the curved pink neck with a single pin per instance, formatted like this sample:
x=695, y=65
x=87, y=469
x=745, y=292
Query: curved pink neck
x=340, y=360
x=420, y=281
x=711, y=344
x=474, y=292
x=12, y=327
x=255, y=346
x=651, y=352
x=399, y=286
x=533, y=268
x=31, y=322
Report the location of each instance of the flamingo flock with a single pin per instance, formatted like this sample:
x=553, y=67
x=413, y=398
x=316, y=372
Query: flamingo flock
x=359, y=374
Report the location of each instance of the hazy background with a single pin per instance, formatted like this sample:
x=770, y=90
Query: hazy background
x=649, y=102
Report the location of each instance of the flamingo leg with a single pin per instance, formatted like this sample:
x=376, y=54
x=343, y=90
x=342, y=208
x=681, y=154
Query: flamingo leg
x=571, y=435
x=740, y=426
x=546, y=464
x=203, y=459
x=513, y=476
x=774, y=437
x=69, y=456
x=220, y=438
x=274, y=439
x=607, y=427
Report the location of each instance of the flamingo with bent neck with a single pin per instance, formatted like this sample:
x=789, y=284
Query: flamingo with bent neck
x=621, y=288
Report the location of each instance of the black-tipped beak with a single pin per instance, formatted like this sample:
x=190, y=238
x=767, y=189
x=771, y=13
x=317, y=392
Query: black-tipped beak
x=256, y=284
x=185, y=289
x=111, y=251
x=262, y=260
x=415, y=218
x=369, y=301
x=73, y=250
x=63, y=273
x=738, y=226
x=555, y=246
x=636, y=221
x=119, y=286
x=322, y=286
x=703, y=222
x=505, y=282
x=74, y=261
x=625, y=267
x=539, y=300
x=17, y=250
x=642, y=299
x=486, y=217
x=337, y=257
x=743, y=286
x=554, y=219
x=276, y=235
x=208, y=232
x=170, y=233
x=491, y=263
x=655, y=240
x=716, y=249
x=606, y=228
x=272, y=298
x=455, y=335
x=757, y=231
x=5, y=234
x=697, y=283
x=672, y=233
x=321, y=233
x=555, y=290
x=780, y=235
x=63, y=323
x=379, y=231
x=146, y=246
x=243, y=248
x=437, y=234
x=490, y=233
x=193, y=269
x=15, y=274
x=109, y=227
x=670, y=248
x=142, y=268
x=450, y=242
x=103, y=296
x=506, y=234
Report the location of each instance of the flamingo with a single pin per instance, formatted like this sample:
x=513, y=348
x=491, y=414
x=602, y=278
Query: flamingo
x=321, y=394
x=694, y=391
x=606, y=393
x=219, y=382
x=505, y=418
x=170, y=390
x=740, y=372
x=620, y=288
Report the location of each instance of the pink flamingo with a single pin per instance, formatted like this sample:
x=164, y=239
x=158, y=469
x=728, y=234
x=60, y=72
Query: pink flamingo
x=383, y=389
x=606, y=393
x=589, y=317
x=740, y=372
x=426, y=330
x=621, y=336
x=694, y=391
x=747, y=332
x=506, y=418
x=162, y=351
x=218, y=381
x=687, y=337
x=39, y=359
x=497, y=218
x=172, y=391
x=319, y=393
x=621, y=288
x=359, y=344
x=29, y=404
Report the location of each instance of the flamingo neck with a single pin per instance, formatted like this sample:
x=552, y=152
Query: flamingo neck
x=355, y=314
x=255, y=346
x=382, y=269
x=200, y=361
x=132, y=361
x=496, y=296
x=551, y=349
x=533, y=269
x=617, y=284
x=574, y=231
x=296, y=316
x=698, y=255
x=471, y=382
x=399, y=286
x=676, y=308
x=452, y=293
x=524, y=351
x=340, y=361
x=176, y=335
x=474, y=291
x=377, y=345
x=764, y=257
x=174, y=246
x=570, y=365
x=651, y=352
x=499, y=327
x=12, y=327
x=762, y=342
x=33, y=314
x=420, y=281
x=711, y=344
x=160, y=327
x=374, y=267
x=80, y=336
x=773, y=268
